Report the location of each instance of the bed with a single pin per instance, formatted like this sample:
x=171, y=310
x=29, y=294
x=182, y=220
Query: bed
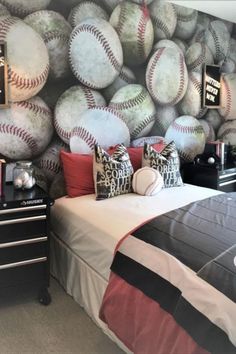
x=85, y=236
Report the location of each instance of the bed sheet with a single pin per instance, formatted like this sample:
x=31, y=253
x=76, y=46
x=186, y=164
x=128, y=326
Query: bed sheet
x=92, y=229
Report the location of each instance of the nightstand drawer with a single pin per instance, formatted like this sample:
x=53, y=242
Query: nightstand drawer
x=23, y=228
x=20, y=253
x=29, y=273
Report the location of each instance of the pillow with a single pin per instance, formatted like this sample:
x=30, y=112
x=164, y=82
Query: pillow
x=147, y=181
x=135, y=154
x=166, y=162
x=78, y=173
x=112, y=174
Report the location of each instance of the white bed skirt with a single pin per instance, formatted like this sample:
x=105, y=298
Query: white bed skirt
x=80, y=281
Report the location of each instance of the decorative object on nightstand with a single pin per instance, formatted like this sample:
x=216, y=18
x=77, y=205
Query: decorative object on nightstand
x=23, y=175
x=24, y=241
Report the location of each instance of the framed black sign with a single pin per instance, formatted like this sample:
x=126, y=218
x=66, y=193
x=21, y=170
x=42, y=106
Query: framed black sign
x=211, y=86
x=3, y=76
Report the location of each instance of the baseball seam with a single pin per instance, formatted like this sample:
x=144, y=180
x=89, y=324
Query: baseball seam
x=63, y=134
x=113, y=111
x=162, y=26
x=17, y=10
x=141, y=35
x=85, y=135
x=200, y=59
x=5, y=26
x=33, y=107
x=20, y=83
x=104, y=43
x=90, y=100
x=198, y=87
x=227, y=131
x=150, y=74
x=52, y=35
x=142, y=125
x=131, y=102
x=149, y=190
x=125, y=77
x=76, y=9
x=21, y=134
x=187, y=18
x=50, y=166
x=228, y=98
x=121, y=20
x=187, y=129
x=216, y=41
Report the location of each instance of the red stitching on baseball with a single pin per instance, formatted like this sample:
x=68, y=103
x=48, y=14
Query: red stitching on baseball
x=33, y=107
x=181, y=81
x=150, y=74
x=141, y=35
x=15, y=80
x=228, y=98
x=142, y=125
x=102, y=40
x=121, y=19
x=187, y=129
x=113, y=111
x=84, y=134
x=131, y=102
x=89, y=96
x=125, y=76
x=5, y=26
x=50, y=166
x=198, y=87
x=76, y=9
x=61, y=132
x=20, y=133
x=51, y=35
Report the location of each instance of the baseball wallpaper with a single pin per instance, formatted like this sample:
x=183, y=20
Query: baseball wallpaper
x=82, y=72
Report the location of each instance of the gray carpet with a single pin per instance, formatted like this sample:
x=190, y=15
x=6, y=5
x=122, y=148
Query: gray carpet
x=62, y=327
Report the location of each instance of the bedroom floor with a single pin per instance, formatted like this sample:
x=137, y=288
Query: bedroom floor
x=62, y=327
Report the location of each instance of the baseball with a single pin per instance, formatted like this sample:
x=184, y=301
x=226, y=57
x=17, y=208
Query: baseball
x=181, y=44
x=28, y=63
x=95, y=53
x=186, y=22
x=136, y=106
x=164, y=19
x=227, y=132
x=125, y=77
x=147, y=181
x=110, y=4
x=167, y=76
x=191, y=102
x=188, y=135
x=166, y=43
x=228, y=92
x=211, y=160
x=208, y=130
x=26, y=129
x=217, y=39
x=84, y=10
x=55, y=31
x=149, y=140
x=49, y=160
x=99, y=125
x=197, y=55
x=135, y=30
x=165, y=115
x=21, y=8
x=214, y=118
x=69, y=107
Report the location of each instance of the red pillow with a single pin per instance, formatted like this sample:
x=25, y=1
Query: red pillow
x=78, y=173
x=135, y=154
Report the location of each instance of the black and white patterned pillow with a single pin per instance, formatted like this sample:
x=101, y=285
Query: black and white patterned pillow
x=112, y=174
x=166, y=162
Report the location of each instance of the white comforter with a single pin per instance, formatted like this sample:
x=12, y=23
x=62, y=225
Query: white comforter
x=93, y=228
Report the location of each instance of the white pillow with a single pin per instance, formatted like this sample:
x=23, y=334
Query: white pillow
x=147, y=181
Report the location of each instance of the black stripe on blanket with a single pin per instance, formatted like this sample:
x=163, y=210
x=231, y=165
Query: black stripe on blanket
x=199, y=327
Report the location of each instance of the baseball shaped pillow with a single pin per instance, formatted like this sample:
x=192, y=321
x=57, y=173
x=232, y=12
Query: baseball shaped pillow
x=147, y=181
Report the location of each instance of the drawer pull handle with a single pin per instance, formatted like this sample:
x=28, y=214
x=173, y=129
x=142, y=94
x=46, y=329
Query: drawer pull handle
x=21, y=220
x=226, y=183
x=22, y=263
x=23, y=242
x=227, y=175
x=19, y=210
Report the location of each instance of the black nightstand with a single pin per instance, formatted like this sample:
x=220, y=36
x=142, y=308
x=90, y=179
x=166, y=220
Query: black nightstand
x=219, y=177
x=24, y=240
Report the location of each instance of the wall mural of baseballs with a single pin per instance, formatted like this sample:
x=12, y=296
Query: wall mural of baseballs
x=111, y=71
